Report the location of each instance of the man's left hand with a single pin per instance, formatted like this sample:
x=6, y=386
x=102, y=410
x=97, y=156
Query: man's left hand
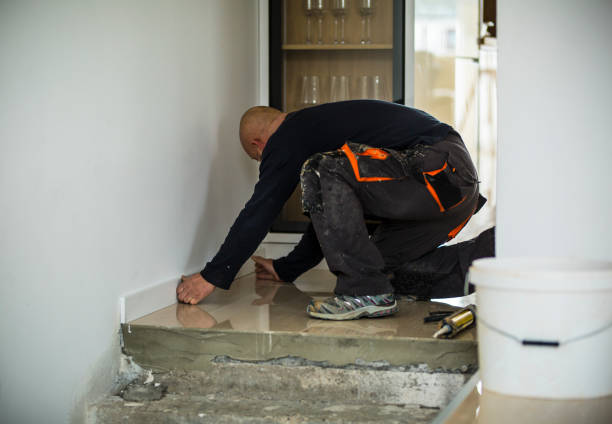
x=264, y=269
x=193, y=289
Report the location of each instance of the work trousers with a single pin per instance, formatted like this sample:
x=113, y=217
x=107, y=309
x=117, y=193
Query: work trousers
x=422, y=197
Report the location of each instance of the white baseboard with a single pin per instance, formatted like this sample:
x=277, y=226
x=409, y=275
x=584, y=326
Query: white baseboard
x=277, y=245
x=146, y=300
x=141, y=302
x=283, y=238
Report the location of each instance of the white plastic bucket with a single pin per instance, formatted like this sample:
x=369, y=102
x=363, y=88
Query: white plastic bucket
x=525, y=306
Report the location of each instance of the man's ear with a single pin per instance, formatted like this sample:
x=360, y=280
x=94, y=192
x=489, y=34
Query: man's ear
x=258, y=143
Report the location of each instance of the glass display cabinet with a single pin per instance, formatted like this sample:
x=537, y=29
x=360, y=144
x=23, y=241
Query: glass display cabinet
x=332, y=50
x=436, y=55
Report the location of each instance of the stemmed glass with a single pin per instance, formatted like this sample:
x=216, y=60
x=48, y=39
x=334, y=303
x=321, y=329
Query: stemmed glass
x=314, y=8
x=319, y=8
x=309, y=11
x=366, y=9
x=339, y=9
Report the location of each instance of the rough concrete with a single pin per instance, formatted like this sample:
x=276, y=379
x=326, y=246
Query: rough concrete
x=316, y=384
x=230, y=376
x=129, y=371
x=284, y=390
x=213, y=409
x=195, y=349
x=360, y=364
x=143, y=392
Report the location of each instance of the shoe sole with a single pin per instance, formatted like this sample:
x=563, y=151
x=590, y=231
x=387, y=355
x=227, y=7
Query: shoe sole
x=365, y=312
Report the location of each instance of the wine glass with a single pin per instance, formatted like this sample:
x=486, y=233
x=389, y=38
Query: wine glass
x=319, y=8
x=309, y=11
x=366, y=9
x=314, y=8
x=339, y=9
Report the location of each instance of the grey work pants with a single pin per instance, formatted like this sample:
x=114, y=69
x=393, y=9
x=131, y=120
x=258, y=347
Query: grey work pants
x=423, y=196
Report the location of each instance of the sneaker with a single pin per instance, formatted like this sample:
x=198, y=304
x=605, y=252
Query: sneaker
x=353, y=307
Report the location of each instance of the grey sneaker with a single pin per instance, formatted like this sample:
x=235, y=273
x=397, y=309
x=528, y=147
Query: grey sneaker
x=353, y=307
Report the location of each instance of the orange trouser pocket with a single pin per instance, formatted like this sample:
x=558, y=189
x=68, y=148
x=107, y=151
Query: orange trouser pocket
x=440, y=185
x=367, y=153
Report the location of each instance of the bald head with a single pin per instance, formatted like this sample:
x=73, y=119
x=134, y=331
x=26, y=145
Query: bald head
x=256, y=126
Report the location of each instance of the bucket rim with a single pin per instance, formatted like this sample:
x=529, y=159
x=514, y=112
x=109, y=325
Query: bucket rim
x=549, y=273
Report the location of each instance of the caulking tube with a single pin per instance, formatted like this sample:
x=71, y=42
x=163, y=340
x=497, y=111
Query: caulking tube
x=456, y=322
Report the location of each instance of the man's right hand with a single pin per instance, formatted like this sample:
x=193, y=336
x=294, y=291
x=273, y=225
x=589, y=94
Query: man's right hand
x=193, y=288
x=264, y=269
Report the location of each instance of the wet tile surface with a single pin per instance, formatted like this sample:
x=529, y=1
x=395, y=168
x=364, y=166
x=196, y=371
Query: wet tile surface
x=485, y=407
x=264, y=306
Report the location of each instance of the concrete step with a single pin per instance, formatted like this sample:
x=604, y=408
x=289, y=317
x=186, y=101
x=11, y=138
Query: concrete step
x=253, y=355
x=365, y=384
x=368, y=383
x=336, y=343
x=287, y=390
x=212, y=409
x=262, y=320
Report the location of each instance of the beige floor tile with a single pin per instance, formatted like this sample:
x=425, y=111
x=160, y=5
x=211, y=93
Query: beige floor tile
x=265, y=306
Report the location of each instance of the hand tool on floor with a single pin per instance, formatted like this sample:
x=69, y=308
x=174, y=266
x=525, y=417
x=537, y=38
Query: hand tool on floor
x=456, y=322
x=435, y=316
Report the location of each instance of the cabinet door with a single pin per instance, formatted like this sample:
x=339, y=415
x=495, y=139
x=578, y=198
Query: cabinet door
x=333, y=50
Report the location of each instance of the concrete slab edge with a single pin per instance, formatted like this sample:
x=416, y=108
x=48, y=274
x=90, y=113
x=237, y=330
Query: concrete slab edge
x=196, y=349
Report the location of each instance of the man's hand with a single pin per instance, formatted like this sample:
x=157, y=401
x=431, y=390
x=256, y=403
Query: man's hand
x=264, y=269
x=193, y=288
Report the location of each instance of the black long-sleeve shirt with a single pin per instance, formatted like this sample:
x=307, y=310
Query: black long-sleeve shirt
x=307, y=254
x=303, y=133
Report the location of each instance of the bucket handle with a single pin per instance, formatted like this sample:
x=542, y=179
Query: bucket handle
x=466, y=286
x=543, y=343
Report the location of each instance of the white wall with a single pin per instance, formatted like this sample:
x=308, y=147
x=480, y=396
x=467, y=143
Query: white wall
x=555, y=135
x=119, y=167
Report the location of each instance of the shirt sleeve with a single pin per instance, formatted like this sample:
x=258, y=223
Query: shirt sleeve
x=278, y=177
x=305, y=255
